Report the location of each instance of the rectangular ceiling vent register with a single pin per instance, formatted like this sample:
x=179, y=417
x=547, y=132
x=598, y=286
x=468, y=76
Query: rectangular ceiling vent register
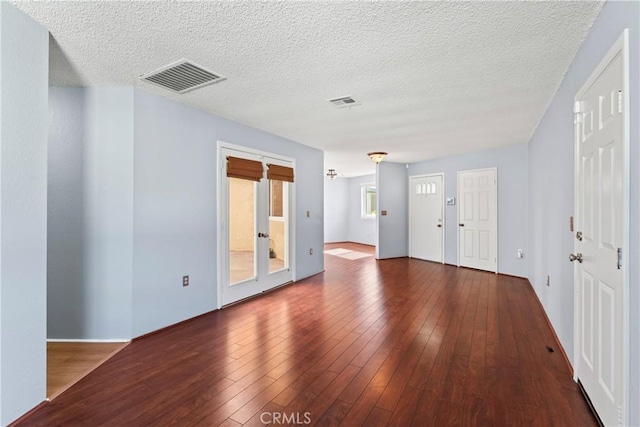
x=182, y=76
x=343, y=102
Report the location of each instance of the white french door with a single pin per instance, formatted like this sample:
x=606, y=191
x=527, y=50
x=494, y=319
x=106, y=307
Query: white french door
x=255, y=226
x=426, y=217
x=601, y=229
x=478, y=219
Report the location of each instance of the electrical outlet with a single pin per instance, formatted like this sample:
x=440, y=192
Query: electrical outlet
x=185, y=280
x=520, y=254
x=547, y=280
x=310, y=251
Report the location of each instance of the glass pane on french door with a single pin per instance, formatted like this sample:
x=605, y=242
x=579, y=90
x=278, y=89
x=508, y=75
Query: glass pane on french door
x=242, y=230
x=278, y=225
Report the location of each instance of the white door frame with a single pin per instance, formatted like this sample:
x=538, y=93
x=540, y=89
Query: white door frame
x=495, y=223
x=621, y=46
x=444, y=219
x=221, y=258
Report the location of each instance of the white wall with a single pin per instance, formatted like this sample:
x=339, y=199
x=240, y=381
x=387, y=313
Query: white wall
x=511, y=163
x=336, y=210
x=176, y=207
x=24, y=59
x=392, y=192
x=551, y=173
x=360, y=230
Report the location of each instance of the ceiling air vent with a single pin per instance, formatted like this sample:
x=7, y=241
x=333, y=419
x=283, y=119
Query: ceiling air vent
x=343, y=102
x=182, y=76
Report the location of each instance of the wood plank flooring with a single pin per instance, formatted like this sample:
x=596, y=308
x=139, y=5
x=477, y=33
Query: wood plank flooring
x=69, y=362
x=395, y=342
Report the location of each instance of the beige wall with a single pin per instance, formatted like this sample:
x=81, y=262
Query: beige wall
x=241, y=215
x=277, y=236
x=241, y=220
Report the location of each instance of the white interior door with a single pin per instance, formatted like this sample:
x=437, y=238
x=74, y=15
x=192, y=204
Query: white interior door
x=477, y=219
x=255, y=228
x=600, y=231
x=426, y=217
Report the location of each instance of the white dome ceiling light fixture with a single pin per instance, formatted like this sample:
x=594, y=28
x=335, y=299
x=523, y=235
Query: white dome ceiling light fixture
x=332, y=174
x=377, y=156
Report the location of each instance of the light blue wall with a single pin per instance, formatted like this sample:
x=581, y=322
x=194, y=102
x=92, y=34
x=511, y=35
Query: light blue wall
x=551, y=187
x=392, y=191
x=336, y=210
x=90, y=213
x=24, y=63
x=175, y=213
x=65, y=217
x=176, y=207
x=511, y=163
x=360, y=230
x=108, y=213
x=134, y=180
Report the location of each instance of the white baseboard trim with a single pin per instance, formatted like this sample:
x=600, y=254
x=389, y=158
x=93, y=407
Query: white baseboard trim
x=86, y=340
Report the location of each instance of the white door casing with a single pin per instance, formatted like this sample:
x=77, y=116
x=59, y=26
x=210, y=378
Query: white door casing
x=263, y=280
x=478, y=219
x=601, y=240
x=426, y=217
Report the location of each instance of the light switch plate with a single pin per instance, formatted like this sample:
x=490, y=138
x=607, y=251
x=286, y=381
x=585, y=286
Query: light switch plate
x=451, y=200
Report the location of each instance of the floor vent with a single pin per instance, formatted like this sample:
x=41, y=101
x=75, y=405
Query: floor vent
x=182, y=76
x=343, y=102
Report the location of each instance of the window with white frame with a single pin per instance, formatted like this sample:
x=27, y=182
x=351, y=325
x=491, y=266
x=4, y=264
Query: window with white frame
x=368, y=200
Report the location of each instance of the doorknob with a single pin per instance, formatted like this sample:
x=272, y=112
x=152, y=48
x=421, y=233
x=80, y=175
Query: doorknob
x=439, y=225
x=461, y=225
x=265, y=235
x=576, y=257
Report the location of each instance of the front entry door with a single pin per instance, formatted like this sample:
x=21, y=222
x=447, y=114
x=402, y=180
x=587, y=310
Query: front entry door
x=600, y=231
x=477, y=219
x=426, y=225
x=256, y=211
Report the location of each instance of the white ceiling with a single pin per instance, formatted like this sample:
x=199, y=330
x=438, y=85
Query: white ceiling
x=434, y=78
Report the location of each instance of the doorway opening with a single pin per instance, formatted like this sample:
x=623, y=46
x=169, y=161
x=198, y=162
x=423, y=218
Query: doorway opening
x=69, y=362
x=256, y=211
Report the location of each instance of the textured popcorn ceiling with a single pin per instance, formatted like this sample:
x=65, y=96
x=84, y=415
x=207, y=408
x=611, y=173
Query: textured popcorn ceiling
x=434, y=79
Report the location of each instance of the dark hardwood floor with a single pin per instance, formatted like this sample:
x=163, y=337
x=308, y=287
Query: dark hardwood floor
x=396, y=342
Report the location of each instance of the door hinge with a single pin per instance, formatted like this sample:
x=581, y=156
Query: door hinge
x=576, y=112
x=620, y=101
x=619, y=258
